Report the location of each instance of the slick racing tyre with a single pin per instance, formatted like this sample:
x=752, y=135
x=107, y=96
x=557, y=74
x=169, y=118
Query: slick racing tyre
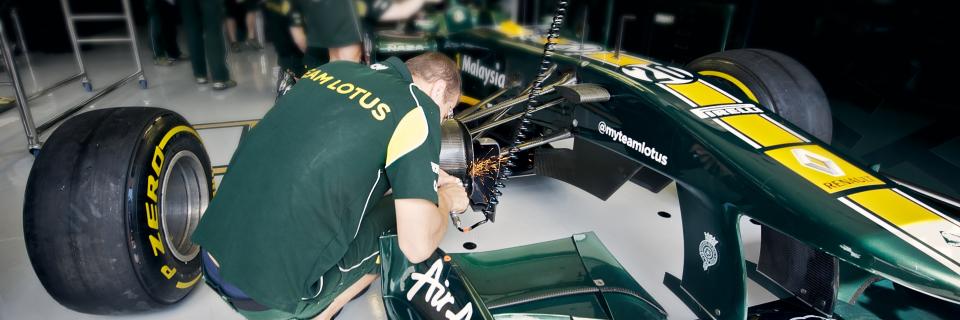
x=777, y=82
x=110, y=205
x=782, y=85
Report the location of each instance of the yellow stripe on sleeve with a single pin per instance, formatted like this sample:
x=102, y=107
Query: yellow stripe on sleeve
x=410, y=133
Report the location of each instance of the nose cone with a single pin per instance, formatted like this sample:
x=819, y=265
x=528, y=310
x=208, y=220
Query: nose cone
x=920, y=248
x=920, y=272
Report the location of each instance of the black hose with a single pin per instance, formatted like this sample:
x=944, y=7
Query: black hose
x=524, y=128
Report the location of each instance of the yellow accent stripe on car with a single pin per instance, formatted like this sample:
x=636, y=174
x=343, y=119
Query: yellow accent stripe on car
x=469, y=100
x=922, y=226
x=219, y=170
x=930, y=236
x=757, y=130
x=893, y=207
x=174, y=131
x=701, y=94
x=512, y=29
x=624, y=59
x=733, y=80
x=761, y=130
x=823, y=168
x=184, y=285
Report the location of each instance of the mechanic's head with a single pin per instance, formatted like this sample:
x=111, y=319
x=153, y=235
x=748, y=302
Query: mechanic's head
x=439, y=77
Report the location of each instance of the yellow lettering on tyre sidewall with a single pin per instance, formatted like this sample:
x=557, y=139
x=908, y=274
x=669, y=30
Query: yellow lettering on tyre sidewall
x=151, y=206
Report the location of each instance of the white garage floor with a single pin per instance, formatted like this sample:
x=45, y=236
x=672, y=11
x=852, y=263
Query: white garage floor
x=532, y=210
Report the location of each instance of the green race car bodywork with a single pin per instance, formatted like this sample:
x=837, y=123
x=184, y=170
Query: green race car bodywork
x=731, y=158
x=560, y=279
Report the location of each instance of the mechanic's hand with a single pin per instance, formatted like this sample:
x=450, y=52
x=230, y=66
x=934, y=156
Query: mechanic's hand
x=453, y=193
x=446, y=179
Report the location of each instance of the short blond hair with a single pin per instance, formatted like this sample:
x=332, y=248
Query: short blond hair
x=434, y=66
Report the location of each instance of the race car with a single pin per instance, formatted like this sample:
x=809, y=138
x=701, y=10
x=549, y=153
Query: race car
x=742, y=133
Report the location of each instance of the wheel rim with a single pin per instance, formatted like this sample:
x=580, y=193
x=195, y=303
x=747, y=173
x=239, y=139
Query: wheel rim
x=184, y=198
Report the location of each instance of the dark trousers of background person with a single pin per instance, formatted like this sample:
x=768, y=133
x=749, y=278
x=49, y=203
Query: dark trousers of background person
x=203, y=21
x=277, y=28
x=237, y=12
x=163, y=29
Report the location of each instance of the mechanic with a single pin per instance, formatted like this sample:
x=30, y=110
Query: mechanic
x=203, y=24
x=162, y=25
x=293, y=230
x=331, y=30
x=242, y=13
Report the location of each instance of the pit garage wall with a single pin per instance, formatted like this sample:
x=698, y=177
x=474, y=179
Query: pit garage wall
x=883, y=65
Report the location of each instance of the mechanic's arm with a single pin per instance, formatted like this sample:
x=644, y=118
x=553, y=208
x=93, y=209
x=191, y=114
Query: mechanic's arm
x=297, y=22
x=421, y=224
x=403, y=10
x=299, y=37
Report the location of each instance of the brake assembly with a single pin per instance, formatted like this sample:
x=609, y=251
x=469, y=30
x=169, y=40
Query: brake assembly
x=476, y=163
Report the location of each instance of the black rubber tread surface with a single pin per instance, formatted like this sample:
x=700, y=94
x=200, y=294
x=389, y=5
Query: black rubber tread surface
x=82, y=209
x=787, y=88
x=780, y=83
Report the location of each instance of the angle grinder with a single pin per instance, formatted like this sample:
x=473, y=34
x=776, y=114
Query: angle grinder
x=475, y=163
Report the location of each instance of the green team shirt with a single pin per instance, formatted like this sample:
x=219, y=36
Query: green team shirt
x=301, y=181
x=335, y=23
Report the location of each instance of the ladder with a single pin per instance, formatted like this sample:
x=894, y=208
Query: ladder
x=31, y=130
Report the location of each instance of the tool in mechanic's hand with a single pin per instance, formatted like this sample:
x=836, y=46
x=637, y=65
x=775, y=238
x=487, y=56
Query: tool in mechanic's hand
x=455, y=215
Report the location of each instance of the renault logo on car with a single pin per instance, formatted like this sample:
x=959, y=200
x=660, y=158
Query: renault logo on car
x=817, y=162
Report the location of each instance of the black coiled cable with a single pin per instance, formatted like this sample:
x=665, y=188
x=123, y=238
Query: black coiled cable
x=524, y=128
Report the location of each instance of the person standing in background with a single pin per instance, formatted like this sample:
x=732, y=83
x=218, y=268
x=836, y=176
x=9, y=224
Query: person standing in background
x=332, y=29
x=163, y=32
x=245, y=12
x=276, y=16
x=203, y=21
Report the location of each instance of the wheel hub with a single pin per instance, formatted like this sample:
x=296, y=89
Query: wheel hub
x=184, y=198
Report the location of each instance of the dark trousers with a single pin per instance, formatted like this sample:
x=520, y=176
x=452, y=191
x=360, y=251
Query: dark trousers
x=163, y=29
x=238, y=12
x=203, y=21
